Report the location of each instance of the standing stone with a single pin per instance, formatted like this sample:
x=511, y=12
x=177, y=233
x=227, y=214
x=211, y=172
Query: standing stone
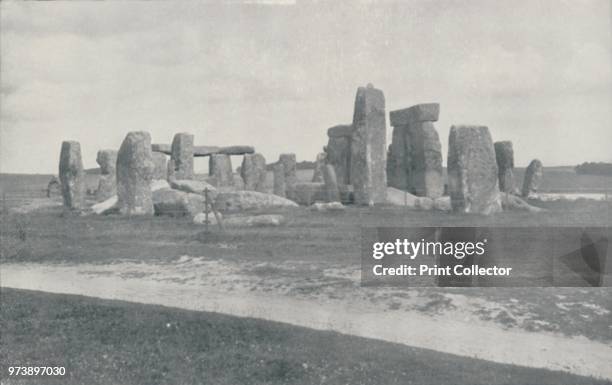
x=160, y=163
x=533, y=178
x=253, y=172
x=317, y=175
x=472, y=171
x=331, y=183
x=220, y=168
x=134, y=174
x=182, y=155
x=279, y=179
x=338, y=151
x=290, y=167
x=368, y=147
x=505, y=164
x=107, y=185
x=416, y=153
x=71, y=176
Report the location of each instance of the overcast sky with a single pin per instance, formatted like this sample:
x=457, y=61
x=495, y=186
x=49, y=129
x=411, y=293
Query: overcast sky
x=277, y=76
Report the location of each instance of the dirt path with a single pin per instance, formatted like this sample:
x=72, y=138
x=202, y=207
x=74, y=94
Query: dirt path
x=204, y=285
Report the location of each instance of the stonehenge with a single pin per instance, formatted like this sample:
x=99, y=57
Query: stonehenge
x=279, y=188
x=160, y=163
x=107, y=185
x=134, y=174
x=182, y=156
x=317, y=175
x=504, y=155
x=290, y=174
x=472, y=171
x=414, y=162
x=253, y=172
x=533, y=178
x=331, y=183
x=71, y=176
x=338, y=151
x=220, y=169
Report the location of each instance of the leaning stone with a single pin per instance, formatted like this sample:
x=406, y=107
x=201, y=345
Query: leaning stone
x=331, y=183
x=317, y=175
x=177, y=203
x=160, y=162
x=368, y=147
x=253, y=172
x=134, y=174
x=398, y=197
x=306, y=193
x=505, y=165
x=472, y=171
x=428, y=112
x=182, y=156
x=220, y=168
x=327, y=206
x=533, y=178
x=290, y=166
x=279, y=179
x=71, y=176
x=265, y=220
x=513, y=203
x=232, y=201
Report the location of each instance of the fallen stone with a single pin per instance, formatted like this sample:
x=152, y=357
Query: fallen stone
x=232, y=201
x=182, y=156
x=253, y=172
x=306, y=193
x=105, y=207
x=424, y=203
x=533, y=178
x=327, y=206
x=398, y=197
x=200, y=219
x=134, y=174
x=220, y=169
x=511, y=202
x=177, y=203
x=71, y=176
x=194, y=187
x=472, y=171
x=265, y=220
x=443, y=203
x=427, y=112
x=504, y=154
x=368, y=147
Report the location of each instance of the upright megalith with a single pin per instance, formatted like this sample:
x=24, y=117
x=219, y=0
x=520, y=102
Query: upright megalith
x=533, y=178
x=368, y=147
x=472, y=171
x=182, y=156
x=504, y=154
x=71, y=176
x=415, y=154
x=279, y=188
x=290, y=169
x=160, y=166
x=338, y=151
x=332, y=190
x=317, y=175
x=107, y=184
x=134, y=174
x=253, y=172
x=220, y=169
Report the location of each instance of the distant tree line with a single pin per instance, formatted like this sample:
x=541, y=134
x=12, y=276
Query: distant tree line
x=594, y=168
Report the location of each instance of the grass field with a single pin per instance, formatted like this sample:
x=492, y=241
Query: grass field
x=110, y=342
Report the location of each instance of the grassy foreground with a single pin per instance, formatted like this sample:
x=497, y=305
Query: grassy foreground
x=111, y=342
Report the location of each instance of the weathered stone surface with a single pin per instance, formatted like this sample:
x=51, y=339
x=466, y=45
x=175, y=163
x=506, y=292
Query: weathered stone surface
x=200, y=218
x=182, y=156
x=163, y=148
x=427, y=112
x=54, y=187
x=424, y=203
x=105, y=207
x=107, y=160
x=505, y=165
x=229, y=150
x=177, y=203
x=194, y=187
x=338, y=154
x=368, y=147
x=71, y=176
x=160, y=166
x=332, y=190
x=533, y=178
x=134, y=174
x=220, y=168
x=253, y=172
x=232, y=201
x=306, y=193
x=443, y=203
x=472, y=171
x=327, y=206
x=279, y=180
x=317, y=175
x=397, y=197
x=398, y=160
x=263, y=220
x=289, y=164
x=425, y=164
x=512, y=202
x=340, y=131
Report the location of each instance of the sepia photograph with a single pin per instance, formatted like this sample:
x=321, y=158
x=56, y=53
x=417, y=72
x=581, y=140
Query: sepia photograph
x=273, y=192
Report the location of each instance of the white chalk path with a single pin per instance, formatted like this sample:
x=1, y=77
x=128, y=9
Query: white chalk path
x=579, y=356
